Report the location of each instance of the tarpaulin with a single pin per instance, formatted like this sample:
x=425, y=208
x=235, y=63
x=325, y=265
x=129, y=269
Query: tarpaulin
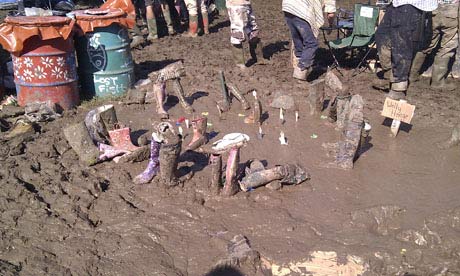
x=125, y=5
x=16, y=30
x=87, y=20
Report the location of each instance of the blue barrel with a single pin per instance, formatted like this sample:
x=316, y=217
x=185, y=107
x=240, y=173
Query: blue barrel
x=105, y=64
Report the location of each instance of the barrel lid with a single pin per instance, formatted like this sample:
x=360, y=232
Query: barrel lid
x=38, y=21
x=98, y=14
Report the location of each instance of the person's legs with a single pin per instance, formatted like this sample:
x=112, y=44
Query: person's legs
x=310, y=44
x=151, y=21
x=448, y=45
x=193, y=17
x=204, y=15
x=237, y=17
x=295, y=35
x=167, y=16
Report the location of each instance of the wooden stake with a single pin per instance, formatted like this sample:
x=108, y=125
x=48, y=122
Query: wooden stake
x=395, y=124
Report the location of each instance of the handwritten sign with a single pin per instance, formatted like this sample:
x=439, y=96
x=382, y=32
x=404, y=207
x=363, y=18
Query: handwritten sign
x=398, y=110
x=366, y=12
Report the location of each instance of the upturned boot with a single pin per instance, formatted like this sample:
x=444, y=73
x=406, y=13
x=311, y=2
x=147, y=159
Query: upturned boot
x=238, y=55
x=199, y=133
x=169, y=155
x=154, y=164
x=440, y=73
x=224, y=104
x=205, y=18
x=351, y=135
x=78, y=138
x=417, y=64
x=239, y=96
x=121, y=139
x=215, y=161
x=159, y=90
x=454, y=139
x=172, y=71
x=343, y=109
x=193, y=26
x=316, y=96
x=153, y=31
x=99, y=121
x=231, y=185
x=256, y=49
x=181, y=95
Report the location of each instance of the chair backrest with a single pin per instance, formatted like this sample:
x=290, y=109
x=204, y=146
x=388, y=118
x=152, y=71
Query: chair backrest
x=365, y=20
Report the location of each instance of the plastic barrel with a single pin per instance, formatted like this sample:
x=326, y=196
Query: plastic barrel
x=45, y=70
x=105, y=64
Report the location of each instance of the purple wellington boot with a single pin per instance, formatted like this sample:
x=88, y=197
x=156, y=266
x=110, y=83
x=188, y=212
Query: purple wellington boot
x=154, y=164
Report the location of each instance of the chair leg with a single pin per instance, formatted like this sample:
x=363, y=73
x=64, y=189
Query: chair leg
x=362, y=60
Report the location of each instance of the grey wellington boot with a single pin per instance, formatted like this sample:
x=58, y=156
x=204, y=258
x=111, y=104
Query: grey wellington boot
x=169, y=155
x=398, y=90
x=238, y=55
x=440, y=73
x=417, y=64
x=153, y=31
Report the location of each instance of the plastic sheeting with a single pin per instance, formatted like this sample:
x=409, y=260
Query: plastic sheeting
x=87, y=20
x=16, y=30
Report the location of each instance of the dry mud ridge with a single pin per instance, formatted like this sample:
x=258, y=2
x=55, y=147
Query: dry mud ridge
x=396, y=213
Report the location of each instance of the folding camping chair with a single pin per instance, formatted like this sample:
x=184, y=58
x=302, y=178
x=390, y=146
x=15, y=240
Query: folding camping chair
x=364, y=25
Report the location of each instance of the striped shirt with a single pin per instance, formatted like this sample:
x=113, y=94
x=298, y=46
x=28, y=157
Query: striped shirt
x=424, y=5
x=310, y=11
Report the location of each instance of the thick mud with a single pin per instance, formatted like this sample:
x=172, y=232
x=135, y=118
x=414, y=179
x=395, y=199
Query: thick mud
x=397, y=211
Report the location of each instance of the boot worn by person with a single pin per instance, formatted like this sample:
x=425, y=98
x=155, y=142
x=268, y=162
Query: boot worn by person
x=136, y=41
x=382, y=82
x=300, y=74
x=199, y=133
x=205, y=18
x=398, y=90
x=153, y=32
x=440, y=73
x=256, y=49
x=169, y=22
x=454, y=139
x=193, y=26
x=417, y=64
x=153, y=166
x=238, y=55
x=351, y=136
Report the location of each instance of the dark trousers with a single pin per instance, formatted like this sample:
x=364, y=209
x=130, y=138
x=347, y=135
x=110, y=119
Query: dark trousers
x=401, y=30
x=305, y=43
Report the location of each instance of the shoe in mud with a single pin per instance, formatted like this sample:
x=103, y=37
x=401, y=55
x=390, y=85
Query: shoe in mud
x=286, y=174
x=153, y=166
x=300, y=74
x=136, y=41
x=199, y=133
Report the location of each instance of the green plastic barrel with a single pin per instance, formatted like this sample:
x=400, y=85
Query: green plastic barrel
x=220, y=5
x=105, y=64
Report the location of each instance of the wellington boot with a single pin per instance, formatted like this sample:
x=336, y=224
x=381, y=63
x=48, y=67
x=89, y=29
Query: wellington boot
x=193, y=26
x=286, y=174
x=78, y=138
x=398, y=90
x=99, y=121
x=453, y=141
x=256, y=116
x=417, y=64
x=351, y=135
x=205, y=18
x=300, y=74
x=159, y=90
x=231, y=182
x=382, y=82
x=256, y=49
x=238, y=55
x=136, y=41
x=121, y=139
x=343, y=108
x=153, y=166
x=153, y=31
x=239, y=96
x=440, y=73
x=215, y=161
x=181, y=95
x=199, y=133
x=169, y=155
x=316, y=96
x=169, y=22
x=224, y=104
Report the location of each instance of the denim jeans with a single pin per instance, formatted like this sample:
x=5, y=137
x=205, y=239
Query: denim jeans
x=305, y=43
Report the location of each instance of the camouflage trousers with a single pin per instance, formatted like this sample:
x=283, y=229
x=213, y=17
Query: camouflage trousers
x=445, y=22
x=193, y=6
x=242, y=23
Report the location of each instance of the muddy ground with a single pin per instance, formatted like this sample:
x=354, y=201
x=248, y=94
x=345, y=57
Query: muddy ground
x=397, y=211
